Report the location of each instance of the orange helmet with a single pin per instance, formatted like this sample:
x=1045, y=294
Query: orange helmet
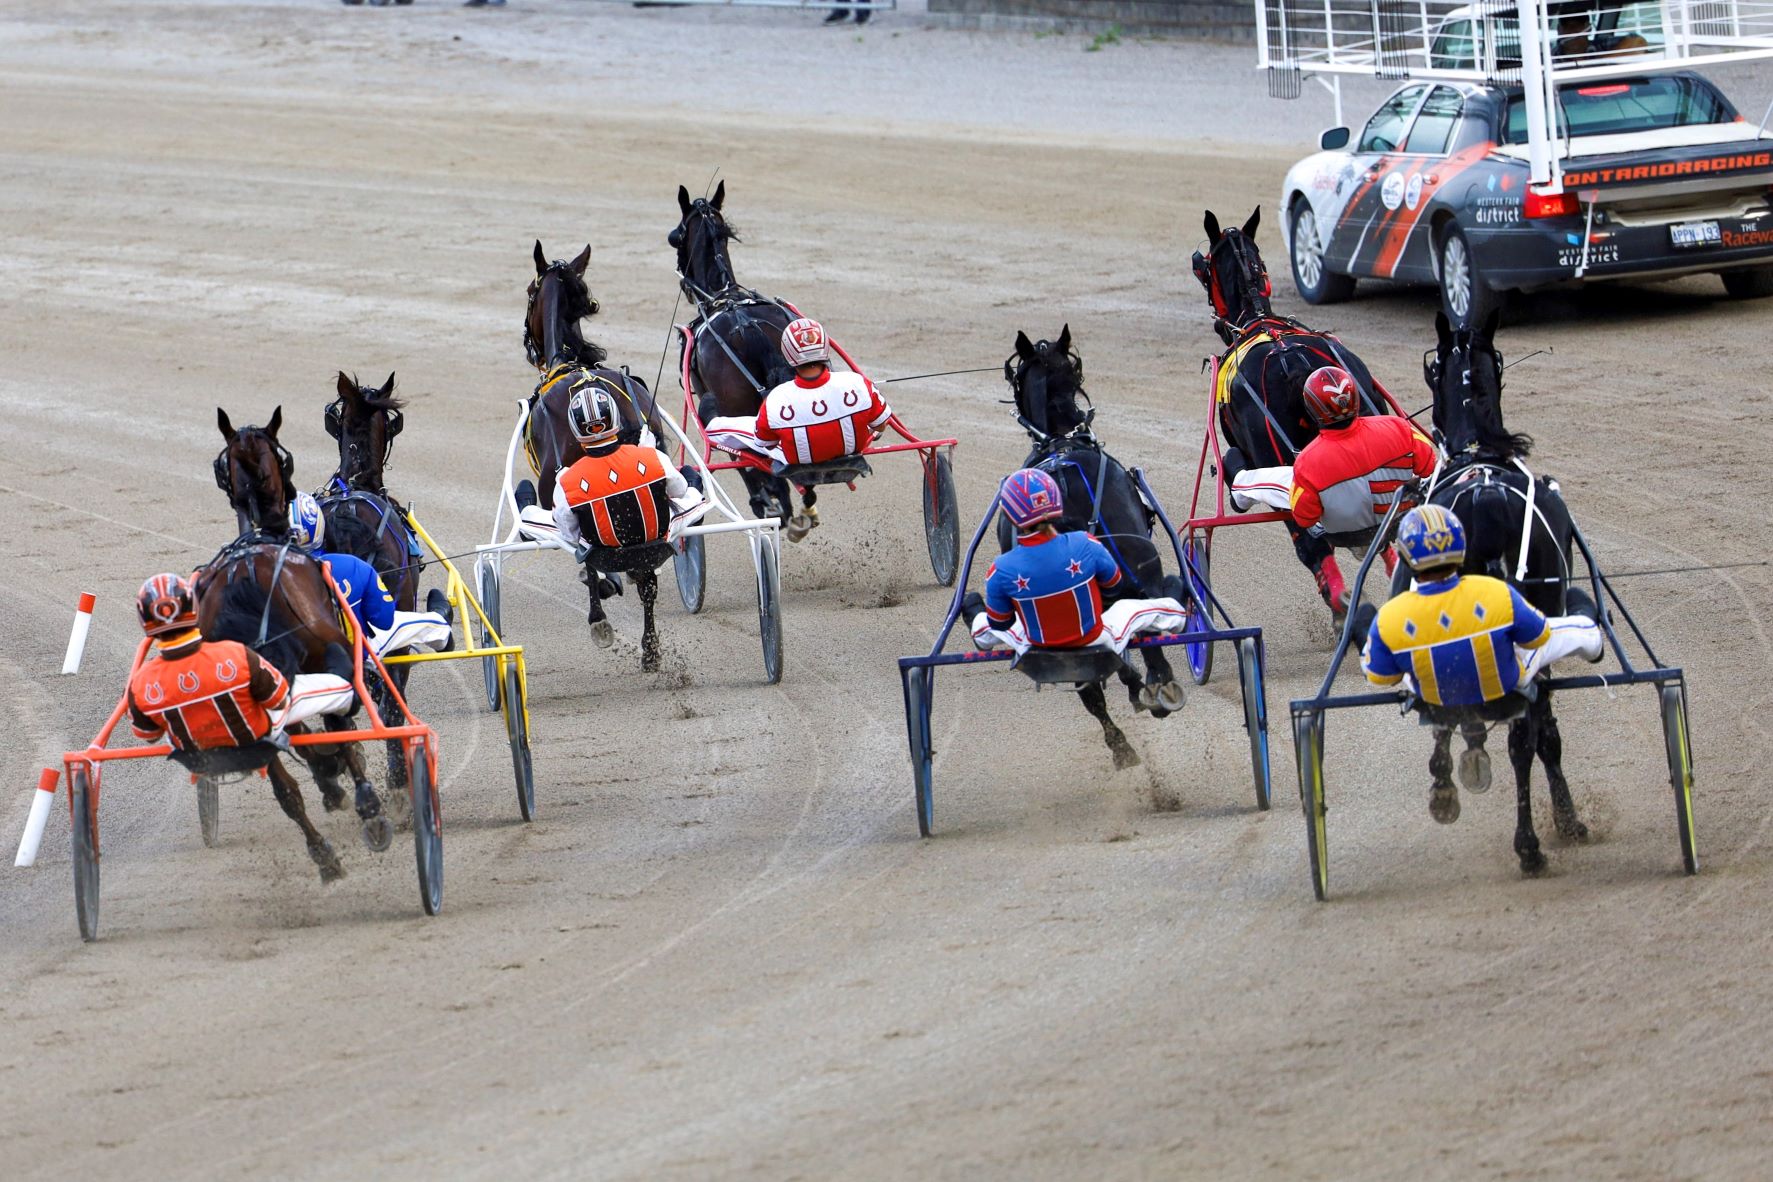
x=166, y=604
x=1332, y=397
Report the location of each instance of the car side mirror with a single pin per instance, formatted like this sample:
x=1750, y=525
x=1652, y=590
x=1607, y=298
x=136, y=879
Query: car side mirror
x=1333, y=140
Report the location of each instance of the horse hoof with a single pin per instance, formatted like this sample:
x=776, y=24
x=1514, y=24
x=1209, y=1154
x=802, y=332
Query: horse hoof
x=1162, y=699
x=1443, y=804
x=333, y=799
x=602, y=635
x=327, y=858
x=1532, y=860
x=799, y=526
x=1568, y=826
x=378, y=834
x=397, y=807
x=1124, y=755
x=649, y=662
x=1474, y=769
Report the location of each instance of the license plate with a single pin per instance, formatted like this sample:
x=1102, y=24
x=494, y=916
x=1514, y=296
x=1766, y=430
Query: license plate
x=1695, y=234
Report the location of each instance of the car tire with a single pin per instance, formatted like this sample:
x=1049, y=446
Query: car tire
x=1465, y=296
x=1750, y=283
x=1317, y=284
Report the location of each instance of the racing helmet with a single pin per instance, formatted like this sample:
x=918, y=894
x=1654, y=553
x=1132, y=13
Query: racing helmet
x=165, y=604
x=1029, y=497
x=591, y=414
x=306, y=522
x=1430, y=537
x=1332, y=397
x=803, y=343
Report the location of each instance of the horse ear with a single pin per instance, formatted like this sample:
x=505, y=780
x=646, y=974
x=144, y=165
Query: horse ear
x=276, y=422
x=541, y=258
x=221, y=420
x=388, y=386
x=1211, y=222
x=1065, y=339
x=1024, y=346
x=582, y=261
x=683, y=201
x=719, y=195
x=347, y=385
x=1255, y=220
x=1443, y=331
x=1492, y=322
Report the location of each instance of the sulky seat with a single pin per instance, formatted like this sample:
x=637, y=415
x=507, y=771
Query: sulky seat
x=231, y=761
x=1069, y=666
x=842, y=470
x=629, y=559
x=1508, y=707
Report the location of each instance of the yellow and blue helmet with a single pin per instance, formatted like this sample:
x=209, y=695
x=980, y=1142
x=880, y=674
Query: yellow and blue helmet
x=1431, y=537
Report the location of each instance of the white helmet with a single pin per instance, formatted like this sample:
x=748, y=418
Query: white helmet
x=591, y=414
x=306, y=522
x=803, y=343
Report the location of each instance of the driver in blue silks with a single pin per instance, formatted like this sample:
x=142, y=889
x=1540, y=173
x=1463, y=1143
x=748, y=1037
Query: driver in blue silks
x=386, y=628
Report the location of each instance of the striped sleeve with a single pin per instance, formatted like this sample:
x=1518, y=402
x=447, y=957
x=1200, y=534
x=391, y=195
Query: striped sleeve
x=1378, y=662
x=1530, y=628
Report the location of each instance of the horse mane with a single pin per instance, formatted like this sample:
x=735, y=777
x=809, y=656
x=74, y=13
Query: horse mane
x=1493, y=437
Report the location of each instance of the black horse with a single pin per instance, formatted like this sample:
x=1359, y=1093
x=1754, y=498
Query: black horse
x=1503, y=510
x=1046, y=378
x=1261, y=375
x=558, y=300
x=257, y=473
x=362, y=519
x=735, y=359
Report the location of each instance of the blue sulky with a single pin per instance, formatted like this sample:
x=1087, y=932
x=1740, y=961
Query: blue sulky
x=1670, y=682
x=1209, y=623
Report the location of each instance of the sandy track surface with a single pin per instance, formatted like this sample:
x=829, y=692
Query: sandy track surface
x=722, y=950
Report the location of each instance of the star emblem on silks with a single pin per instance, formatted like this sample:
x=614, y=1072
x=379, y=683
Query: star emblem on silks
x=1076, y=567
x=1021, y=582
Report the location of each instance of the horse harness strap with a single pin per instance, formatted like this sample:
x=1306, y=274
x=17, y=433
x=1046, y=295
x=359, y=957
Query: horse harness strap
x=1367, y=402
x=1238, y=379
x=1483, y=475
x=271, y=595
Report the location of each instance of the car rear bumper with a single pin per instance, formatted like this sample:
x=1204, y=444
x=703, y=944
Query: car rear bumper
x=1537, y=254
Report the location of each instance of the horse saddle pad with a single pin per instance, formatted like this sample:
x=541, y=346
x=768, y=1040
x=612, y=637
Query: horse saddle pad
x=842, y=470
x=1504, y=709
x=1062, y=666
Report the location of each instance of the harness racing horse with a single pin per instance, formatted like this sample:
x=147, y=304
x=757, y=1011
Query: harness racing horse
x=1261, y=376
x=257, y=473
x=737, y=357
x=559, y=299
x=1099, y=497
x=361, y=518
x=1504, y=510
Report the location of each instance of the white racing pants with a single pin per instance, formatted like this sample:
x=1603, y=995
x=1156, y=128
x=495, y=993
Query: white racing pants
x=1271, y=487
x=311, y=694
x=1121, y=622
x=738, y=433
x=424, y=631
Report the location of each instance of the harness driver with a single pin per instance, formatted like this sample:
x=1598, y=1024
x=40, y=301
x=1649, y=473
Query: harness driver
x=385, y=629
x=819, y=416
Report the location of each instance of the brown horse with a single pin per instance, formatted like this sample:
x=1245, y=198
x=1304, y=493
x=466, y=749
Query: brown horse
x=361, y=518
x=737, y=356
x=257, y=473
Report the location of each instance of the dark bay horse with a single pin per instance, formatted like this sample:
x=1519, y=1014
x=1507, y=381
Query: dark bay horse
x=257, y=473
x=1262, y=373
x=1503, y=510
x=559, y=299
x=736, y=359
x=1046, y=378
x=361, y=518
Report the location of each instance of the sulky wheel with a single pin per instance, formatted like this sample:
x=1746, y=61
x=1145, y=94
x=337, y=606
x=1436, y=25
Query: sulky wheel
x=689, y=561
x=1308, y=738
x=517, y=727
x=941, y=519
x=769, y=609
x=427, y=830
x=489, y=603
x=917, y=724
x=209, y=810
x=86, y=851
x=1197, y=553
x=1680, y=769
x=1249, y=670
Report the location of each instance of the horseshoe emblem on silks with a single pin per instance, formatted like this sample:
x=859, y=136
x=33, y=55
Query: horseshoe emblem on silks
x=820, y=406
x=153, y=694
x=849, y=398
x=189, y=682
x=787, y=414
x=227, y=670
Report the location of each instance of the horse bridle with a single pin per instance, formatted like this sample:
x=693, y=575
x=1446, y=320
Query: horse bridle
x=532, y=348
x=223, y=472
x=677, y=239
x=395, y=420
x=1251, y=271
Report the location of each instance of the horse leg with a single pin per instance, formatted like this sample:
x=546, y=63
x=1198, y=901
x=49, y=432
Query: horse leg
x=289, y=795
x=1522, y=740
x=648, y=584
x=1551, y=754
x=602, y=634
x=756, y=486
x=1474, y=761
x=377, y=829
x=1443, y=798
x=1161, y=693
x=1097, y=704
x=807, y=520
x=325, y=766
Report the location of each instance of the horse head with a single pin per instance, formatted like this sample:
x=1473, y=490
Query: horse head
x=559, y=298
x=701, y=239
x=364, y=420
x=1047, y=380
x=1234, y=275
x=257, y=473
x=1465, y=374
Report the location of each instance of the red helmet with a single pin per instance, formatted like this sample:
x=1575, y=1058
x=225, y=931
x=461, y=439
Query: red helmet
x=166, y=604
x=1331, y=396
x=803, y=343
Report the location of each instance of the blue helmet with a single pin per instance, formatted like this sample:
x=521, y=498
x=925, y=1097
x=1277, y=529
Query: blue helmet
x=1431, y=537
x=1029, y=497
x=306, y=521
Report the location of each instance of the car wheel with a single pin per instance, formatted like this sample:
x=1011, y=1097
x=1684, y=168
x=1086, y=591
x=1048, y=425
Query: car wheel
x=1315, y=281
x=1465, y=295
x=1750, y=283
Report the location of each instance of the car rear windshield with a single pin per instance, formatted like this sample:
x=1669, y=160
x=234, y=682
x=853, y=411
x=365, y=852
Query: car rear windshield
x=1624, y=105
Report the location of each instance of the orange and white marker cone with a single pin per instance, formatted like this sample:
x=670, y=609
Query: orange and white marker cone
x=77, y=638
x=40, y=802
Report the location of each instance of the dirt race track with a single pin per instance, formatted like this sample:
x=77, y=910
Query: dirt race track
x=722, y=950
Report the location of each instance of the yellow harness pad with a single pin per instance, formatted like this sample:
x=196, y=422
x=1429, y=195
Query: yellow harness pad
x=1231, y=362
